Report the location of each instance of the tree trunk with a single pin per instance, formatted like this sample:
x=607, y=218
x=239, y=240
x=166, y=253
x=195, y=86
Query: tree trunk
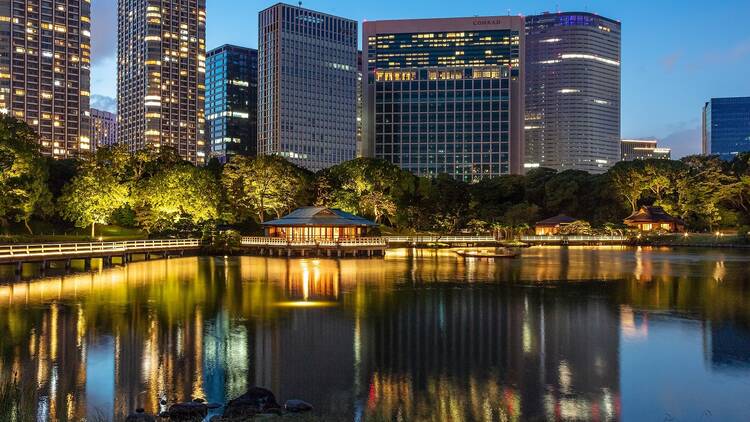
x=93, y=233
x=26, y=223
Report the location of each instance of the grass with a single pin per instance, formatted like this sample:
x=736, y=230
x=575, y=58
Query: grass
x=49, y=235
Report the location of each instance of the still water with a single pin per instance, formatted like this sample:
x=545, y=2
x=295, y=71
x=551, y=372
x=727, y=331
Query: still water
x=558, y=334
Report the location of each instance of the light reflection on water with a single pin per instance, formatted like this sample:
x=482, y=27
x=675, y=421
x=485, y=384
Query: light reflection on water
x=559, y=334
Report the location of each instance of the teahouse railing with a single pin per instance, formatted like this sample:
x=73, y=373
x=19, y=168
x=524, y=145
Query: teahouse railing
x=440, y=239
x=559, y=238
x=282, y=242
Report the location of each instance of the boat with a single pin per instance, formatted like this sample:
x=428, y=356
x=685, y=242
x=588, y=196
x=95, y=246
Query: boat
x=485, y=254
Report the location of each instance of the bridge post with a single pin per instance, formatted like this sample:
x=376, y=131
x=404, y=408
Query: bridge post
x=19, y=267
x=68, y=263
x=86, y=264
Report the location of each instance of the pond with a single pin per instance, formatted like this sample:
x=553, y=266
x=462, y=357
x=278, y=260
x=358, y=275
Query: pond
x=556, y=334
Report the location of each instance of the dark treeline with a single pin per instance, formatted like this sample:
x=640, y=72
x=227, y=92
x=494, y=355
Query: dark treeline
x=158, y=192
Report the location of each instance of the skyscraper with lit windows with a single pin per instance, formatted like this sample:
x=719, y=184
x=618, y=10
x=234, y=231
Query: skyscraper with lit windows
x=572, y=91
x=726, y=127
x=161, y=75
x=45, y=59
x=307, y=86
x=446, y=95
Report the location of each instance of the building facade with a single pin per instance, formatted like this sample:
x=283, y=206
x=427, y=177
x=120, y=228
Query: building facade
x=161, y=75
x=445, y=95
x=45, y=61
x=307, y=86
x=572, y=91
x=103, y=128
x=643, y=149
x=726, y=126
x=231, y=102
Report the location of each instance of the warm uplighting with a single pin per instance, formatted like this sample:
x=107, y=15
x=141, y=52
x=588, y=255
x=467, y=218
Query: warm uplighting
x=306, y=304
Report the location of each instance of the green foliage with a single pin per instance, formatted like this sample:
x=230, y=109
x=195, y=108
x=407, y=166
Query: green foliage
x=23, y=175
x=179, y=197
x=365, y=186
x=93, y=196
x=264, y=185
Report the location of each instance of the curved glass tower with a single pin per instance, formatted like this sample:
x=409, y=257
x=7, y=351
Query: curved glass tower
x=572, y=92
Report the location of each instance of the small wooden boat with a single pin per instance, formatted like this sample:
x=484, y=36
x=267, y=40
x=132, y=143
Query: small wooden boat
x=484, y=254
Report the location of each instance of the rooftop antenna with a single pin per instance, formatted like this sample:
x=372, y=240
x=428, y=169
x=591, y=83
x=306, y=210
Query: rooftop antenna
x=300, y=4
x=508, y=12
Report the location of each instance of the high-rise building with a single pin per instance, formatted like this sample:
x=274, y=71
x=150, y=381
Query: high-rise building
x=231, y=101
x=161, y=75
x=726, y=126
x=643, y=149
x=360, y=105
x=307, y=86
x=45, y=60
x=103, y=128
x=572, y=91
x=446, y=95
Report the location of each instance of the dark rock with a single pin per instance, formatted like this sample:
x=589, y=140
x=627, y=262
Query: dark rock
x=199, y=400
x=140, y=415
x=256, y=400
x=189, y=411
x=297, y=406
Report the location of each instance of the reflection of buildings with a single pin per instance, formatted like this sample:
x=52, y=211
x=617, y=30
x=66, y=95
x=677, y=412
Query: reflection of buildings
x=464, y=354
x=360, y=338
x=726, y=345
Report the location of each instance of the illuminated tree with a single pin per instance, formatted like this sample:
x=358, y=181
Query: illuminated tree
x=628, y=179
x=93, y=196
x=364, y=186
x=180, y=196
x=264, y=185
x=23, y=173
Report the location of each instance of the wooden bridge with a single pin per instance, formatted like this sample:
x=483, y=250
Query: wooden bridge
x=421, y=241
x=46, y=253
x=575, y=240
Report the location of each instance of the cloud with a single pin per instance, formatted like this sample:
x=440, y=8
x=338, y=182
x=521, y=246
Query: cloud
x=102, y=102
x=103, y=30
x=736, y=53
x=669, y=61
x=683, y=142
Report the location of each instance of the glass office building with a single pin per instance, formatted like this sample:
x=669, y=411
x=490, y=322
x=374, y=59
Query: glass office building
x=643, y=149
x=726, y=126
x=307, y=86
x=445, y=95
x=231, y=102
x=45, y=62
x=572, y=91
x=161, y=69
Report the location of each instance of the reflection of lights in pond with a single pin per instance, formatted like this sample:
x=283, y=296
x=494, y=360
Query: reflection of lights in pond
x=306, y=304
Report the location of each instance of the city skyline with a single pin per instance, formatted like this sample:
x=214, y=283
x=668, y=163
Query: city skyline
x=674, y=65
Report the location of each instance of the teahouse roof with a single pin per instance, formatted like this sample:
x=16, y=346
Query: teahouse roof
x=319, y=217
x=652, y=215
x=557, y=220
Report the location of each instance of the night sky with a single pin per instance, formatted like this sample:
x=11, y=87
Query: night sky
x=676, y=54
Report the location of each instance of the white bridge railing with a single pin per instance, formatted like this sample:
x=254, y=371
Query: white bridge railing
x=558, y=238
x=282, y=242
x=16, y=252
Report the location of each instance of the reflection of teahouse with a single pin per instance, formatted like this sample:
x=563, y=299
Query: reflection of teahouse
x=654, y=218
x=552, y=226
x=318, y=223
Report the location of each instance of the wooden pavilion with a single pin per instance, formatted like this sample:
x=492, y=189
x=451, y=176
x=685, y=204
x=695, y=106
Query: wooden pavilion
x=551, y=226
x=654, y=218
x=318, y=223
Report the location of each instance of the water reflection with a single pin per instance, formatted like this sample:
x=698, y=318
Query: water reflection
x=419, y=336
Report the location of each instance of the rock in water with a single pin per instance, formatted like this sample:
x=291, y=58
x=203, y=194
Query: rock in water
x=256, y=400
x=297, y=406
x=140, y=415
x=189, y=411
